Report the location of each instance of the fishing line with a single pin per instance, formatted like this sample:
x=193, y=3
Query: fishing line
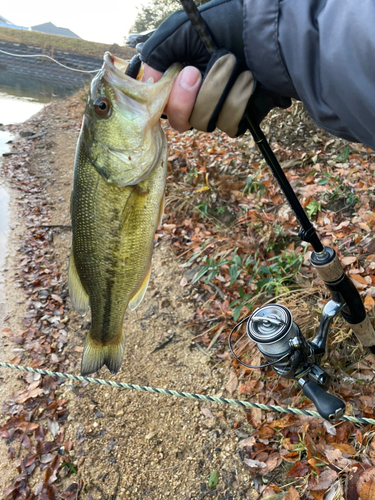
x=52, y=59
x=188, y=395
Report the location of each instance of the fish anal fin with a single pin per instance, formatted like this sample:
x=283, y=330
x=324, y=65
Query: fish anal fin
x=138, y=297
x=95, y=355
x=78, y=295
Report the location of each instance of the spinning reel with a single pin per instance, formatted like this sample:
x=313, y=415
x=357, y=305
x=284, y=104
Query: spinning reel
x=286, y=349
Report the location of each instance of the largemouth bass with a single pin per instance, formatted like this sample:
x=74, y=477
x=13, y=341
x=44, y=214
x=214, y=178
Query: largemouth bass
x=117, y=204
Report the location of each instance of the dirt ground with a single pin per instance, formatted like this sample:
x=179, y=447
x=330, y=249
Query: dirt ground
x=125, y=444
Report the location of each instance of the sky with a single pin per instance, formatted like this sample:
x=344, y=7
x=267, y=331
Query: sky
x=97, y=21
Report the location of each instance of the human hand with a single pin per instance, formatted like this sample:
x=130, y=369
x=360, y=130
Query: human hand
x=182, y=97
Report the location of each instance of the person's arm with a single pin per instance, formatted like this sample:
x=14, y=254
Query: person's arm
x=321, y=51
x=318, y=51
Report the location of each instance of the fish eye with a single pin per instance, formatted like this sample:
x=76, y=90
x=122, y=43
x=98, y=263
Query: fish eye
x=102, y=106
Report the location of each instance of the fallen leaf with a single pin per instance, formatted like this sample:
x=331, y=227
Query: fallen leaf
x=369, y=302
x=326, y=479
x=207, y=413
x=300, y=469
x=213, y=479
x=368, y=475
x=346, y=261
x=273, y=461
x=345, y=448
x=53, y=427
x=331, y=429
x=246, y=442
x=232, y=383
x=335, y=458
x=254, y=464
x=358, y=279
x=292, y=494
x=368, y=491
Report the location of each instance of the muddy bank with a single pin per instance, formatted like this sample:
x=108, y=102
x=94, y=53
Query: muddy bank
x=70, y=440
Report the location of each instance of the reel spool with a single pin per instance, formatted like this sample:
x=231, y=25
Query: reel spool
x=273, y=330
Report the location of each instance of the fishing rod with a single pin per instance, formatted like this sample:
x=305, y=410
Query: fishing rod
x=271, y=327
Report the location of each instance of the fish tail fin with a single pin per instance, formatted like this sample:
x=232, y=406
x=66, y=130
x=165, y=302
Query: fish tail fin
x=96, y=355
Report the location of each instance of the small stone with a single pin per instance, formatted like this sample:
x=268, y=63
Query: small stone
x=150, y=435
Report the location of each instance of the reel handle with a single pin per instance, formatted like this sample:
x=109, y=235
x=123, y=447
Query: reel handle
x=329, y=407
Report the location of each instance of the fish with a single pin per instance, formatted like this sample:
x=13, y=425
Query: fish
x=117, y=204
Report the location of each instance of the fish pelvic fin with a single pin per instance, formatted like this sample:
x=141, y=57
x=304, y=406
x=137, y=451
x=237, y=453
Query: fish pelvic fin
x=138, y=297
x=77, y=294
x=96, y=355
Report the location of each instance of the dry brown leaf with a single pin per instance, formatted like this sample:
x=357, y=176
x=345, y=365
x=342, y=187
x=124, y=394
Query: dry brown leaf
x=358, y=279
x=346, y=261
x=292, y=494
x=368, y=475
x=254, y=464
x=246, y=442
x=326, y=479
x=232, y=383
x=369, y=302
x=257, y=415
x=368, y=491
x=300, y=469
x=273, y=461
x=345, y=448
x=207, y=412
x=335, y=458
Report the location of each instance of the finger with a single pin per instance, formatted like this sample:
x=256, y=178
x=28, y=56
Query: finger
x=182, y=98
x=151, y=73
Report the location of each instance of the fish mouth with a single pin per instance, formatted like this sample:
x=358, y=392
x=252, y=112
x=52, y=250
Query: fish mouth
x=115, y=74
x=116, y=64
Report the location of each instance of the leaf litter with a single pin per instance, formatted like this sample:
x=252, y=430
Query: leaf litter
x=229, y=224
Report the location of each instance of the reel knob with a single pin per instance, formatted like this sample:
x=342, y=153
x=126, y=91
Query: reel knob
x=328, y=406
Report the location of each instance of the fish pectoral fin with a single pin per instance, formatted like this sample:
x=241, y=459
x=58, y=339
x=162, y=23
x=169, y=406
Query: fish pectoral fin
x=161, y=210
x=95, y=355
x=138, y=297
x=77, y=294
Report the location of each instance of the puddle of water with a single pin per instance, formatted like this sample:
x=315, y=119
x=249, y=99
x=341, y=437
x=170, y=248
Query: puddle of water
x=21, y=98
x=4, y=138
x=4, y=222
x=17, y=109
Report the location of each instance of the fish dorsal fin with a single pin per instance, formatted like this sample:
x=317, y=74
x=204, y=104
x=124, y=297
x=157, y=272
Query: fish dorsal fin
x=78, y=295
x=138, y=297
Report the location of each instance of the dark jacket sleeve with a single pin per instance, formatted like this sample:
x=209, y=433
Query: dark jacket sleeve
x=321, y=52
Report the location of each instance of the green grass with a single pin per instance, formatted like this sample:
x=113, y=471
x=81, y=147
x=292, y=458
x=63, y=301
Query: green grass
x=49, y=43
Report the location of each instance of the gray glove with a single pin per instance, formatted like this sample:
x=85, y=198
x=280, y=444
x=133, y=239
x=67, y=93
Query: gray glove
x=228, y=89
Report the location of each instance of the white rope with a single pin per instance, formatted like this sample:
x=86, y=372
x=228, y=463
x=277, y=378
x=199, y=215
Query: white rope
x=52, y=59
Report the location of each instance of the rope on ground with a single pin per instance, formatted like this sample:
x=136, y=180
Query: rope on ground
x=52, y=59
x=188, y=395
